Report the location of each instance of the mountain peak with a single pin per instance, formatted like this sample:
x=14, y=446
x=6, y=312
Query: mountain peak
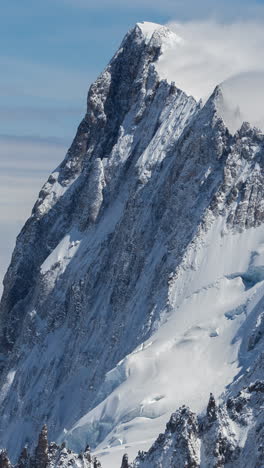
x=148, y=28
x=159, y=33
x=164, y=40
x=142, y=262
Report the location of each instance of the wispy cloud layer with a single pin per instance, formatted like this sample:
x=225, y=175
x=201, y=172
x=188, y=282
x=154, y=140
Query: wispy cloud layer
x=41, y=99
x=54, y=49
x=212, y=52
x=32, y=79
x=25, y=164
x=178, y=9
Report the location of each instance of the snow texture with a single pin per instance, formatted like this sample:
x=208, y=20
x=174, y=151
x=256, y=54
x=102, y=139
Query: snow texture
x=229, y=435
x=136, y=286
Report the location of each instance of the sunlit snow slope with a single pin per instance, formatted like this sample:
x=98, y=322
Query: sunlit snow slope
x=196, y=349
x=137, y=282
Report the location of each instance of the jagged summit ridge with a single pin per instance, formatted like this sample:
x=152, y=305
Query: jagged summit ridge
x=223, y=437
x=148, y=28
x=158, y=32
x=118, y=146
x=50, y=455
x=242, y=93
x=145, y=245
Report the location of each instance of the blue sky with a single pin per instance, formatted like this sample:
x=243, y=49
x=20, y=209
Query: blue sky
x=50, y=52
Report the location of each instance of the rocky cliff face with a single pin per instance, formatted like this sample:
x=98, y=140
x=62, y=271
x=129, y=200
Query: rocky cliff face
x=144, y=250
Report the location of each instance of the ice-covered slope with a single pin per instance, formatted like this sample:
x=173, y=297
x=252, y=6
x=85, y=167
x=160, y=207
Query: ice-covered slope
x=138, y=279
x=195, y=350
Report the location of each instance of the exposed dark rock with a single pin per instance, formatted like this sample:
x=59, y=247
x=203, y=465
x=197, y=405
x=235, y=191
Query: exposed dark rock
x=24, y=459
x=4, y=460
x=211, y=409
x=41, y=452
x=125, y=463
x=180, y=445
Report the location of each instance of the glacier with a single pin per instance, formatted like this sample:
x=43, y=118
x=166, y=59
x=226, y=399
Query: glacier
x=136, y=286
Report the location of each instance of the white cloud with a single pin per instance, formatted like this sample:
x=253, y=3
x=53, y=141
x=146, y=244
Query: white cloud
x=212, y=52
x=41, y=113
x=244, y=100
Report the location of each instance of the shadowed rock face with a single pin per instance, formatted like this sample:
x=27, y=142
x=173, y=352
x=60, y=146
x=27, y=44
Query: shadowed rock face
x=109, y=100
x=125, y=463
x=4, y=460
x=98, y=192
x=148, y=173
x=50, y=456
x=41, y=453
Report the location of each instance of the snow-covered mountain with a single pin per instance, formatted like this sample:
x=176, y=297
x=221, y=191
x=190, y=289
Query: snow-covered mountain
x=230, y=435
x=50, y=455
x=137, y=284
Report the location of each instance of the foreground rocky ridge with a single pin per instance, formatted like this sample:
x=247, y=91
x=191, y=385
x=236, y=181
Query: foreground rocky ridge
x=115, y=247
x=222, y=438
x=87, y=197
x=50, y=456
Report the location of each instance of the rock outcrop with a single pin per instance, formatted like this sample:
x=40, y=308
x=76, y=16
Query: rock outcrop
x=233, y=437
x=51, y=455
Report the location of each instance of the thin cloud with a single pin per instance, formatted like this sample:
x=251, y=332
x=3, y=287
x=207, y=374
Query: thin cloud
x=44, y=81
x=244, y=100
x=50, y=140
x=44, y=114
x=41, y=99
x=25, y=165
x=31, y=152
x=212, y=52
x=178, y=9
